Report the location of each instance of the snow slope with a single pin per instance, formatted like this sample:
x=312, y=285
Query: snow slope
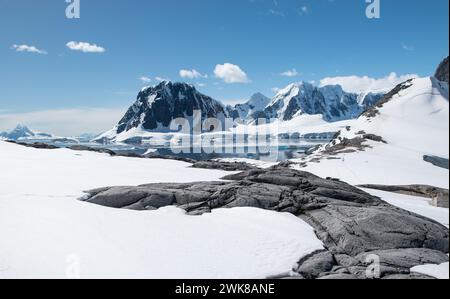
x=45, y=232
x=301, y=124
x=438, y=271
x=414, y=123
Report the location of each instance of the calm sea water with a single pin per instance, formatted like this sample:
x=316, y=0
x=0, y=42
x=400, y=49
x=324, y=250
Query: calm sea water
x=283, y=150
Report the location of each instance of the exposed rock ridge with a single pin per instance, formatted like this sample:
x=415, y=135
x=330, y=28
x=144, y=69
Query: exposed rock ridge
x=350, y=222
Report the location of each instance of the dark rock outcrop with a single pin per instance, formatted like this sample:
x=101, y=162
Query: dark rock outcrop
x=437, y=161
x=37, y=145
x=84, y=148
x=442, y=72
x=157, y=106
x=313, y=265
x=349, y=221
x=400, y=261
x=227, y=166
x=439, y=196
x=374, y=110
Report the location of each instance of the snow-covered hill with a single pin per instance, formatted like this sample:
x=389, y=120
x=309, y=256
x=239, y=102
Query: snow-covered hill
x=387, y=144
x=46, y=232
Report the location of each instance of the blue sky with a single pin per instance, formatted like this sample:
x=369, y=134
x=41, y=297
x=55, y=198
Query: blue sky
x=267, y=43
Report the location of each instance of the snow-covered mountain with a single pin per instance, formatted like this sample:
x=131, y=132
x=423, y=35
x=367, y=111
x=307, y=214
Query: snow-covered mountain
x=23, y=132
x=251, y=109
x=330, y=101
x=389, y=143
x=157, y=106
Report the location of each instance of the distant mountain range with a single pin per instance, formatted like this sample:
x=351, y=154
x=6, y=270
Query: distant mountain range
x=330, y=101
x=157, y=106
x=21, y=132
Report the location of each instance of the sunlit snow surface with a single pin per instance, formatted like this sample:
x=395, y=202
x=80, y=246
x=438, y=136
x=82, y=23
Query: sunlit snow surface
x=438, y=271
x=414, y=123
x=45, y=232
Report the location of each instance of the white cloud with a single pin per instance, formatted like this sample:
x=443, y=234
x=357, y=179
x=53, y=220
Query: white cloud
x=366, y=84
x=231, y=73
x=145, y=79
x=65, y=122
x=290, y=73
x=192, y=74
x=29, y=49
x=85, y=47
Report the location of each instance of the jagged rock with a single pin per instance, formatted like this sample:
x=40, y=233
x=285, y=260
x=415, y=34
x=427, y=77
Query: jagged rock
x=442, y=73
x=339, y=277
x=437, y=161
x=354, y=229
x=37, y=145
x=439, y=196
x=349, y=221
x=374, y=110
x=167, y=157
x=316, y=263
x=410, y=276
x=397, y=261
x=91, y=149
x=374, y=137
x=227, y=166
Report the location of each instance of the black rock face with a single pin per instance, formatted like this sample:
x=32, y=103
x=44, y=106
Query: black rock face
x=442, y=73
x=156, y=107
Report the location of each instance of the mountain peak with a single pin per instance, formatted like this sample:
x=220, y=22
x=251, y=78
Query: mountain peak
x=20, y=131
x=258, y=98
x=21, y=127
x=155, y=107
x=294, y=88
